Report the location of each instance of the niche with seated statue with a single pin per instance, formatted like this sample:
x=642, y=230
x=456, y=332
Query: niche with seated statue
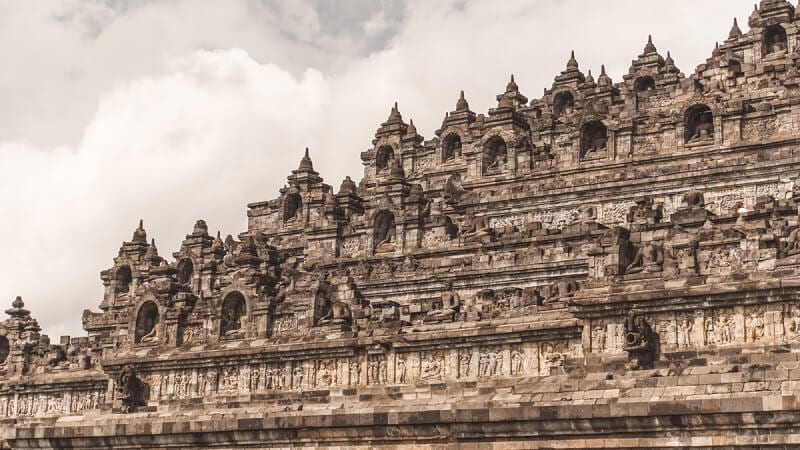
x=5, y=349
x=123, y=280
x=384, y=233
x=232, y=316
x=775, y=41
x=146, y=331
x=185, y=270
x=594, y=140
x=330, y=312
x=563, y=104
x=495, y=155
x=699, y=125
x=292, y=207
x=451, y=147
x=383, y=157
x=644, y=84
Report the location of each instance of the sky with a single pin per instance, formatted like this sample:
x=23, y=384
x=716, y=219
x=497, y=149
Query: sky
x=171, y=111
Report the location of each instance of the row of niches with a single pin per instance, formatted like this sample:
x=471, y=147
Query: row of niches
x=339, y=306
x=148, y=328
x=497, y=156
x=378, y=232
x=563, y=105
x=124, y=282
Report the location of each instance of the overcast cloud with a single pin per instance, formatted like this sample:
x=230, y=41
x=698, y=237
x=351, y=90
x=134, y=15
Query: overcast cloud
x=175, y=110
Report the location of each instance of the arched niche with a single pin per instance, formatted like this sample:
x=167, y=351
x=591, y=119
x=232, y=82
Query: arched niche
x=123, y=279
x=495, y=155
x=5, y=349
x=450, y=228
x=451, y=147
x=232, y=315
x=384, y=232
x=699, y=125
x=644, y=84
x=292, y=207
x=775, y=40
x=185, y=270
x=383, y=156
x=563, y=102
x=594, y=138
x=146, y=323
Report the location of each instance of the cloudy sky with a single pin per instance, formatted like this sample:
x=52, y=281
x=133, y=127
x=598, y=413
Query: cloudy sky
x=175, y=110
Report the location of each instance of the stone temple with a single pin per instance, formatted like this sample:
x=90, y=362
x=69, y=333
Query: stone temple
x=609, y=265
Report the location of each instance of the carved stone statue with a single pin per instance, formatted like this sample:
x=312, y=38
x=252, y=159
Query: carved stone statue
x=778, y=43
x=597, y=144
x=684, y=332
x=791, y=246
x=649, y=258
x=498, y=164
x=453, y=191
x=694, y=200
x=385, y=233
x=644, y=212
x=703, y=130
x=338, y=313
x=561, y=290
x=128, y=388
x=639, y=340
x=151, y=337
x=476, y=228
x=451, y=304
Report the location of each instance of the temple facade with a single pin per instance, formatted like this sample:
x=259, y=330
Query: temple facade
x=611, y=265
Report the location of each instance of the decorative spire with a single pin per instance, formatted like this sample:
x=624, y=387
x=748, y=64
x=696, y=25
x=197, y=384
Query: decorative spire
x=754, y=16
x=200, y=227
x=394, y=115
x=603, y=79
x=589, y=77
x=461, y=104
x=247, y=254
x=505, y=102
x=650, y=48
x=139, y=235
x=572, y=64
x=348, y=186
x=305, y=163
x=152, y=250
x=412, y=129
x=512, y=85
x=18, y=310
x=716, y=51
x=736, y=32
x=669, y=63
x=218, y=245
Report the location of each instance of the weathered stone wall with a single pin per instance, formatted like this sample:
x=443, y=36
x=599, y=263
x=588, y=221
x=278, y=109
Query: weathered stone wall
x=611, y=265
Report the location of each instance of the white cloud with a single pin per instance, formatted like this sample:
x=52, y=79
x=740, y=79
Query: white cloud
x=197, y=142
x=177, y=110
